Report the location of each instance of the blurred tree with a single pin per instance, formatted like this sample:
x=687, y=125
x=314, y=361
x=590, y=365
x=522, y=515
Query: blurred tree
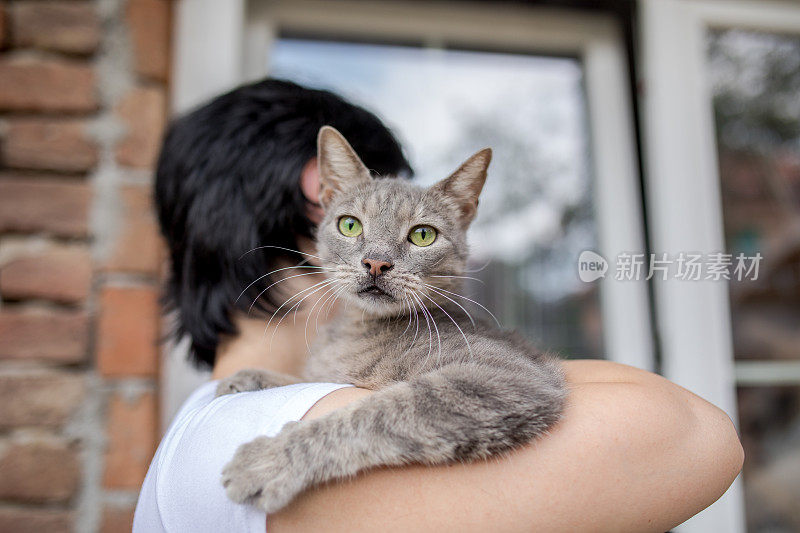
x=755, y=81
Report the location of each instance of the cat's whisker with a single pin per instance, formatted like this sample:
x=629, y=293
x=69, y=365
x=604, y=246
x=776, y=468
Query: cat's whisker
x=416, y=316
x=435, y=289
x=438, y=337
x=405, y=302
x=322, y=307
x=427, y=321
x=289, y=300
x=469, y=300
x=273, y=272
x=279, y=248
x=439, y=340
x=469, y=348
x=416, y=321
x=316, y=288
x=313, y=288
x=333, y=302
x=327, y=295
x=486, y=264
x=344, y=261
x=438, y=261
x=459, y=277
x=260, y=294
x=323, y=299
x=296, y=306
x=330, y=289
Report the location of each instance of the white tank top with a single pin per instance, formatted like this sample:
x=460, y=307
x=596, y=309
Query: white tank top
x=182, y=490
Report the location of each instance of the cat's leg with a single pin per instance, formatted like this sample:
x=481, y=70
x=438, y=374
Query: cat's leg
x=253, y=379
x=457, y=413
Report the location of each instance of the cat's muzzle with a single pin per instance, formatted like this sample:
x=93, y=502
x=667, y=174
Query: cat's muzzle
x=375, y=292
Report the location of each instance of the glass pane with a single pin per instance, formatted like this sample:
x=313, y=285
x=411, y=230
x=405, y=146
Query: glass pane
x=536, y=210
x=769, y=419
x=756, y=83
x=756, y=89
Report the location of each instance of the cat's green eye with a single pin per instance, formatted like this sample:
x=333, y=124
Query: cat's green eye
x=350, y=226
x=422, y=235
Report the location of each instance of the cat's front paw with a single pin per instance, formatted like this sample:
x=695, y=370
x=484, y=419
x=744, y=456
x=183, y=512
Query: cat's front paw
x=252, y=380
x=262, y=475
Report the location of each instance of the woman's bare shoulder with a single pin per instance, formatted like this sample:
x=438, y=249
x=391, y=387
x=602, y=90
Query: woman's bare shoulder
x=633, y=452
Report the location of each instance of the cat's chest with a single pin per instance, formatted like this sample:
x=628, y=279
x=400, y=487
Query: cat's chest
x=367, y=355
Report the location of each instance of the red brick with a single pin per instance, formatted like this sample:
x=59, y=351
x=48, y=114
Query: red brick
x=39, y=470
x=44, y=205
x=143, y=110
x=46, y=85
x=49, y=145
x=59, y=336
x=2, y=38
x=32, y=520
x=132, y=431
x=137, y=248
x=62, y=274
x=149, y=22
x=71, y=27
x=117, y=520
x=39, y=398
x=127, y=342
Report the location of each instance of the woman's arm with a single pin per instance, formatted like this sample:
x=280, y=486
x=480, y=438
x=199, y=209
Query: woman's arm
x=634, y=452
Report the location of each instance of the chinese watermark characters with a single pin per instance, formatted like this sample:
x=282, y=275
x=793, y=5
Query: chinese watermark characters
x=684, y=266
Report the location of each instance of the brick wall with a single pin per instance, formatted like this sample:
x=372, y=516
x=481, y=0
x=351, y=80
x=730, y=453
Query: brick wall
x=82, y=105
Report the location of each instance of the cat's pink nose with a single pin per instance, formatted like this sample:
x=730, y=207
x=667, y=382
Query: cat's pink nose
x=376, y=267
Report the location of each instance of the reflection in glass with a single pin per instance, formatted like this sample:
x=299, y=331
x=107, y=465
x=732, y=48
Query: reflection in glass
x=756, y=90
x=536, y=212
x=769, y=419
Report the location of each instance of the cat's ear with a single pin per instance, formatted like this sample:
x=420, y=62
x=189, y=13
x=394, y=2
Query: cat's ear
x=339, y=165
x=463, y=187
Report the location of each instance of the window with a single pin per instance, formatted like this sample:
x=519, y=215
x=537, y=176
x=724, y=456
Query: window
x=536, y=212
x=755, y=82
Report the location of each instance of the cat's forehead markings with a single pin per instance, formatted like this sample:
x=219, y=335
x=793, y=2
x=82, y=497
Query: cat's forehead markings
x=428, y=204
x=420, y=210
x=370, y=204
x=364, y=198
x=387, y=199
x=406, y=209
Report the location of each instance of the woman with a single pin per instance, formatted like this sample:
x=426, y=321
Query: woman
x=633, y=452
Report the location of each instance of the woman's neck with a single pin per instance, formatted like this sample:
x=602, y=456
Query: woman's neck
x=280, y=349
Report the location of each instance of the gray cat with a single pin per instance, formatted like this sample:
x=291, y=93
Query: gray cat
x=449, y=387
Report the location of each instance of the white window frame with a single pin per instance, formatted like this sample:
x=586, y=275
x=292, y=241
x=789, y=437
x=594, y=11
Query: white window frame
x=684, y=203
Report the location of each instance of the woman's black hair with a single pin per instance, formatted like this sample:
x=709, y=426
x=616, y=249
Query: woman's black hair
x=228, y=181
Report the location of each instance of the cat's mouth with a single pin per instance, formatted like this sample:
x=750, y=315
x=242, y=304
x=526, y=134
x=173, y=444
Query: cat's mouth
x=375, y=292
